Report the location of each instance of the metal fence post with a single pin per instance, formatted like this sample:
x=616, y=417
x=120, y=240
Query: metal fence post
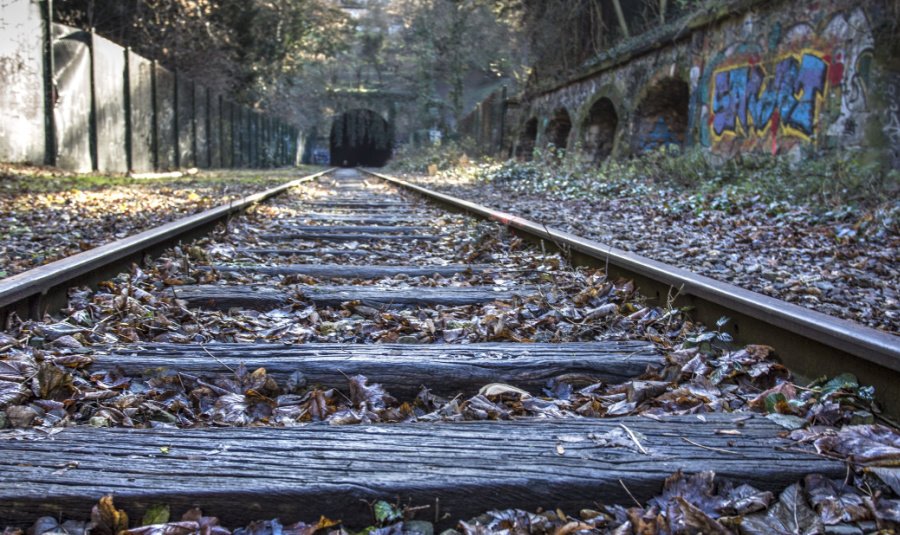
x=194, y=125
x=177, y=119
x=220, y=133
x=129, y=146
x=154, y=113
x=92, y=123
x=501, y=120
x=50, y=143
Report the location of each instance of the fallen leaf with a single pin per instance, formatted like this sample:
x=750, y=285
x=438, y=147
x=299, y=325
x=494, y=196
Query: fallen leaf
x=790, y=514
x=500, y=389
x=156, y=514
x=106, y=519
x=872, y=445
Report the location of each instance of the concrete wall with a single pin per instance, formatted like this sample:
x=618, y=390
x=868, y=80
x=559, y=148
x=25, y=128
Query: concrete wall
x=22, y=130
x=166, y=128
x=215, y=131
x=109, y=75
x=140, y=104
x=484, y=125
x=201, y=126
x=777, y=77
x=72, y=115
x=82, y=102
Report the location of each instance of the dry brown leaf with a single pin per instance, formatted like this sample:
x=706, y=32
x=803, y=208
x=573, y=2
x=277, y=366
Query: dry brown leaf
x=106, y=519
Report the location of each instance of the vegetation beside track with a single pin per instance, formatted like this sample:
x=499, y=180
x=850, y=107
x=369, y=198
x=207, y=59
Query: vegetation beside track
x=822, y=233
x=835, y=187
x=47, y=214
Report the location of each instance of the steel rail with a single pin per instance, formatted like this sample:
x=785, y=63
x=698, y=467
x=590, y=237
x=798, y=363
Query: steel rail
x=811, y=343
x=44, y=288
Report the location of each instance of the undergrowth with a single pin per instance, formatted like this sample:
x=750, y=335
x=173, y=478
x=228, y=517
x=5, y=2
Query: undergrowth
x=829, y=187
x=23, y=179
x=445, y=156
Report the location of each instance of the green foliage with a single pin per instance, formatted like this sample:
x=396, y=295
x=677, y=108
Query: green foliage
x=567, y=35
x=445, y=156
x=822, y=398
x=252, y=50
x=772, y=401
x=52, y=181
x=846, y=381
x=831, y=186
x=442, y=42
x=386, y=513
x=156, y=514
x=710, y=342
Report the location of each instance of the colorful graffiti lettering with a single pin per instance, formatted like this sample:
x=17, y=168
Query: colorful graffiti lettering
x=661, y=136
x=891, y=119
x=747, y=101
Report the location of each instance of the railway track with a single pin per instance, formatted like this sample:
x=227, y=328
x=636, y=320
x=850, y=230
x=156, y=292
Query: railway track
x=477, y=370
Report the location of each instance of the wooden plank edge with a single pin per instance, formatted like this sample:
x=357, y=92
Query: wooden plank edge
x=362, y=271
x=242, y=475
x=402, y=369
x=226, y=297
x=313, y=236
x=312, y=252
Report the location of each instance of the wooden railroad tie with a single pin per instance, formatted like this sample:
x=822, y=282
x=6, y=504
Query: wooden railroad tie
x=446, y=369
x=238, y=474
x=266, y=298
x=333, y=271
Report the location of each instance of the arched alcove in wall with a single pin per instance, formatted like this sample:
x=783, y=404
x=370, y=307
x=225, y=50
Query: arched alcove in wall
x=525, y=146
x=360, y=137
x=661, y=118
x=558, y=129
x=599, y=130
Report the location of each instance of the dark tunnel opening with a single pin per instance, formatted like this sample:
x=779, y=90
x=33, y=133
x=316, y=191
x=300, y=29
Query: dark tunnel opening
x=599, y=130
x=361, y=137
x=559, y=128
x=661, y=119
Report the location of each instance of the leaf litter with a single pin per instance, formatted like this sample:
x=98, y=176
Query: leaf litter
x=702, y=373
x=836, y=262
x=48, y=215
x=46, y=382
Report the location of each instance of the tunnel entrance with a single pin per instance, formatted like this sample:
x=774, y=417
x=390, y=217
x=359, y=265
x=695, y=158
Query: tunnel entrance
x=559, y=128
x=525, y=146
x=661, y=118
x=361, y=137
x=600, y=130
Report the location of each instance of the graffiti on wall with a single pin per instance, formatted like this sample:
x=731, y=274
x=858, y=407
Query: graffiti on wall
x=659, y=121
x=853, y=55
x=661, y=138
x=891, y=119
x=804, y=84
x=748, y=101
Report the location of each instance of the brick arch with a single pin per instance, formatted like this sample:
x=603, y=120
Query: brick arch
x=558, y=129
x=598, y=129
x=660, y=120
